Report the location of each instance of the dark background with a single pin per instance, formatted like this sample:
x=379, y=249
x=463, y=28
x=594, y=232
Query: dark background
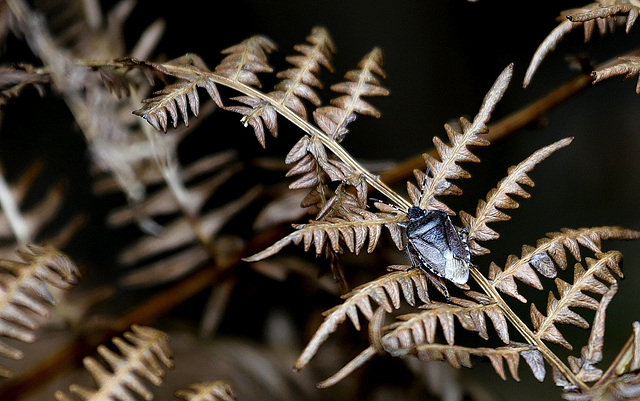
x=440, y=59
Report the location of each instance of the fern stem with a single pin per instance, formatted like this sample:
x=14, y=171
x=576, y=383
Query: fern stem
x=524, y=330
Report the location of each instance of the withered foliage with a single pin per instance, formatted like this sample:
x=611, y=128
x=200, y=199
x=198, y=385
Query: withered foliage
x=143, y=355
x=24, y=294
x=601, y=16
x=208, y=391
x=136, y=113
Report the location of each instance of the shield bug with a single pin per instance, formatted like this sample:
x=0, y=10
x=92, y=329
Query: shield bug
x=436, y=246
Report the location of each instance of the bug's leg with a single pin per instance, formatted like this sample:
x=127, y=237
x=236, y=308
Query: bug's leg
x=413, y=257
x=439, y=284
x=464, y=236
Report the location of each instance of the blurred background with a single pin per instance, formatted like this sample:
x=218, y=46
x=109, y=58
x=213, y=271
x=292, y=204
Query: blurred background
x=440, y=59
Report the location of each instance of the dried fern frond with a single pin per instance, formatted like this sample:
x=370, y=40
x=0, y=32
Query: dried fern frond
x=591, y=354
x=436, y=181
x=24, y=294
x=141, y=356
x=20, y=225
x=333, y=120
x=262, y=108
x=313, y=162
x=190, y=247
x=162, y=202
x=87, y=35
x=296, y=84
x=456, y=355
x=91, y=33
x=621, y=380
x=207, y=391
x=240, y=66
x=589, y=279
x=459, y=356
x=628, y=67
x=343, y=222
x=415, y=335
x=549, y=254
x=603, y=15
x=246, y=59
x=177, y=97
x=499, y=198
x=420, y=327
x=315, y=167
x=99, y=115
x=387, y=291
x=14, y=79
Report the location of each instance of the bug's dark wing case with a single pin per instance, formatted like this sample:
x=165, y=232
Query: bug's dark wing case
x=434, y=240
x=432, y=257
x=457, y=246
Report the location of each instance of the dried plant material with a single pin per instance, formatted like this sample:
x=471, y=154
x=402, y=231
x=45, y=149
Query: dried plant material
x=459, y=356
x=313, y=163
x=171, y=99
x=333, y=120
x=589, y=279
x=175, y=237
x=178, y=97
x=498, y=198
x=183, y=225
x=259, y=114
x=314, y=168
x=24, y=294
x=167, y=269
x=620, y=381
x=549, y=254
x=246, y=59
x=603, y=15
x=387, y=291
x=342, y=223
x=284, y=208
x=13, y=80
x=628, y=67
x=163, y=202
x=207, y=391
x=98, y=113
x=296, y=84
x=439, y=172
x=591, y=354
x=21, y=222
x=415, y=334
x=142, y=354
x=237, y=71
x=419, y=328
